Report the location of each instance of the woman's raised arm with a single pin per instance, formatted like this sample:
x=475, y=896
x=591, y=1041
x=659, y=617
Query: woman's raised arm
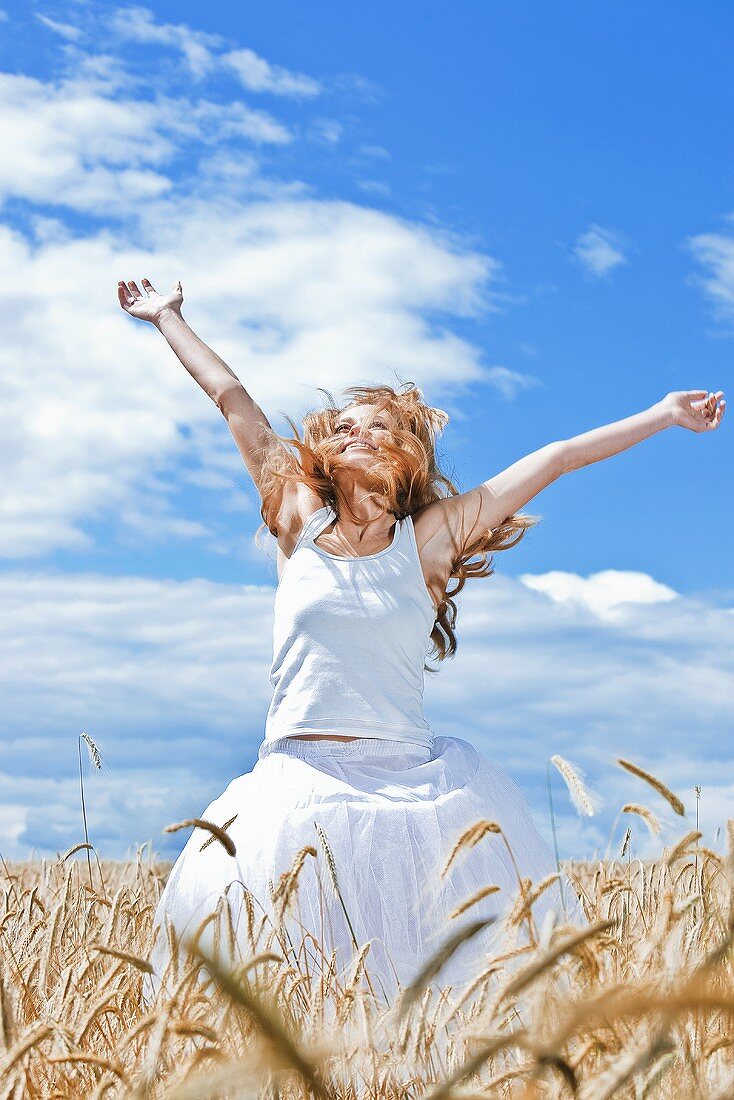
x=245, y=418
x=695, y=409
x=470, y=515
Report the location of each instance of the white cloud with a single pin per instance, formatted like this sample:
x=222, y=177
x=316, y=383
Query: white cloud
x=205, y=54
x=64, y=30
x=137, y=24
x=325, y=131
x=72, y=144
x=510, y=382
x=258, y=75
x=93, y=425
x=599, y=251
x=170, y=679
x=13, y=817
x=715, y=253
x=602, y=593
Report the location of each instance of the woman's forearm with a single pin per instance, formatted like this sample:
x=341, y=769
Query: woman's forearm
x=203, y=364
x=610, y=439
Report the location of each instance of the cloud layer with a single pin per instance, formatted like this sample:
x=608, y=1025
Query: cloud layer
x=171, y=680
x=714, y=252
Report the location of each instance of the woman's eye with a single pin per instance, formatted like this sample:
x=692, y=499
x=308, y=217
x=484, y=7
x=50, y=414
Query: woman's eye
x=345, y=427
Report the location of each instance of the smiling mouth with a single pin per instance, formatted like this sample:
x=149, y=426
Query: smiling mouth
x=359, y=444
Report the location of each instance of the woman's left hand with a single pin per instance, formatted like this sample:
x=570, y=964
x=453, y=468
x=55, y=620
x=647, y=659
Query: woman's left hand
x=698, y=410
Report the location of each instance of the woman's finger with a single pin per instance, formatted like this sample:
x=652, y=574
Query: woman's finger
x=713, y=416
x=133, y=288
x=148, y=286
x=123, y=295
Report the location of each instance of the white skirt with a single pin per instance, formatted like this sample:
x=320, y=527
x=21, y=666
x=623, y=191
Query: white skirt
x=391, y=814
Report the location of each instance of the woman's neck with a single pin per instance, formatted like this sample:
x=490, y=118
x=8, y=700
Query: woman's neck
x=359, y=513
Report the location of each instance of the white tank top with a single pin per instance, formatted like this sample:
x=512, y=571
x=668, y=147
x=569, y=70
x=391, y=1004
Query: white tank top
x=350, y=639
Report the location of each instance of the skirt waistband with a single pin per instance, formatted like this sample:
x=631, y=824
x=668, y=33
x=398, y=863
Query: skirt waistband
x=359, y=747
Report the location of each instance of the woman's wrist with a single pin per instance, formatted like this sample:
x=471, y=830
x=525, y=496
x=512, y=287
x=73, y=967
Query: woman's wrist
x=168, y=318
x=667, y=411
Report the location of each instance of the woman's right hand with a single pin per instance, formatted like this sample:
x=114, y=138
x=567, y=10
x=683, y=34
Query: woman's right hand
x=150, y=306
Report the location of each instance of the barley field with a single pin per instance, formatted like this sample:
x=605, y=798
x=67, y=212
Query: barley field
x=639, y=1003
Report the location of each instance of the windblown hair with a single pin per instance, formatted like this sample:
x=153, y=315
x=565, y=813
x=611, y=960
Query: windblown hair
x=404, y=478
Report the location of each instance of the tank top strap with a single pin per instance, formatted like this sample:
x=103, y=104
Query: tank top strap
x=406, y=525
x=313, y=525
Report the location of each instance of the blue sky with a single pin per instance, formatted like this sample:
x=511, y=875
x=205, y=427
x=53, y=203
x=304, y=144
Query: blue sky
x=526, y=209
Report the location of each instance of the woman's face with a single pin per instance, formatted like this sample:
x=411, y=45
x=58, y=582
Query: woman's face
x=361, y=430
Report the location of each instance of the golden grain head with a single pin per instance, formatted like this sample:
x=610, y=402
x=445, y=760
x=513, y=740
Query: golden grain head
x=665, y=792
x=208, y=826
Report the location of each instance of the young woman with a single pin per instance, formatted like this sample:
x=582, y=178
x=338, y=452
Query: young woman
x=350, y=775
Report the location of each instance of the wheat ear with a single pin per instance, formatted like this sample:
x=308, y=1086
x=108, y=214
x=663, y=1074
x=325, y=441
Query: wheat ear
x=571, y=776
x=656, y=785
x=469, y=838
x=198, y=823
x=647, y=816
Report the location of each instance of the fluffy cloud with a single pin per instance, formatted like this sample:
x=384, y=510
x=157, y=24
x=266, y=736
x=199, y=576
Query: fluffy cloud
x=170, y=679
x=510, y=383
x=599, y=251
x=97, y=418
x=65, y=30
x=602, y=593
x=204, y=53
x=715, y=253
x=74, y=144
x=258, y=75
x=138, y=24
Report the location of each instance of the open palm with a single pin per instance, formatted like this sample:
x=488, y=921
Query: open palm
x=698, y=410
x=150, y=305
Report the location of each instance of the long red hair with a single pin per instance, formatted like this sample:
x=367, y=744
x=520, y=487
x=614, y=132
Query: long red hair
x=405, y=478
